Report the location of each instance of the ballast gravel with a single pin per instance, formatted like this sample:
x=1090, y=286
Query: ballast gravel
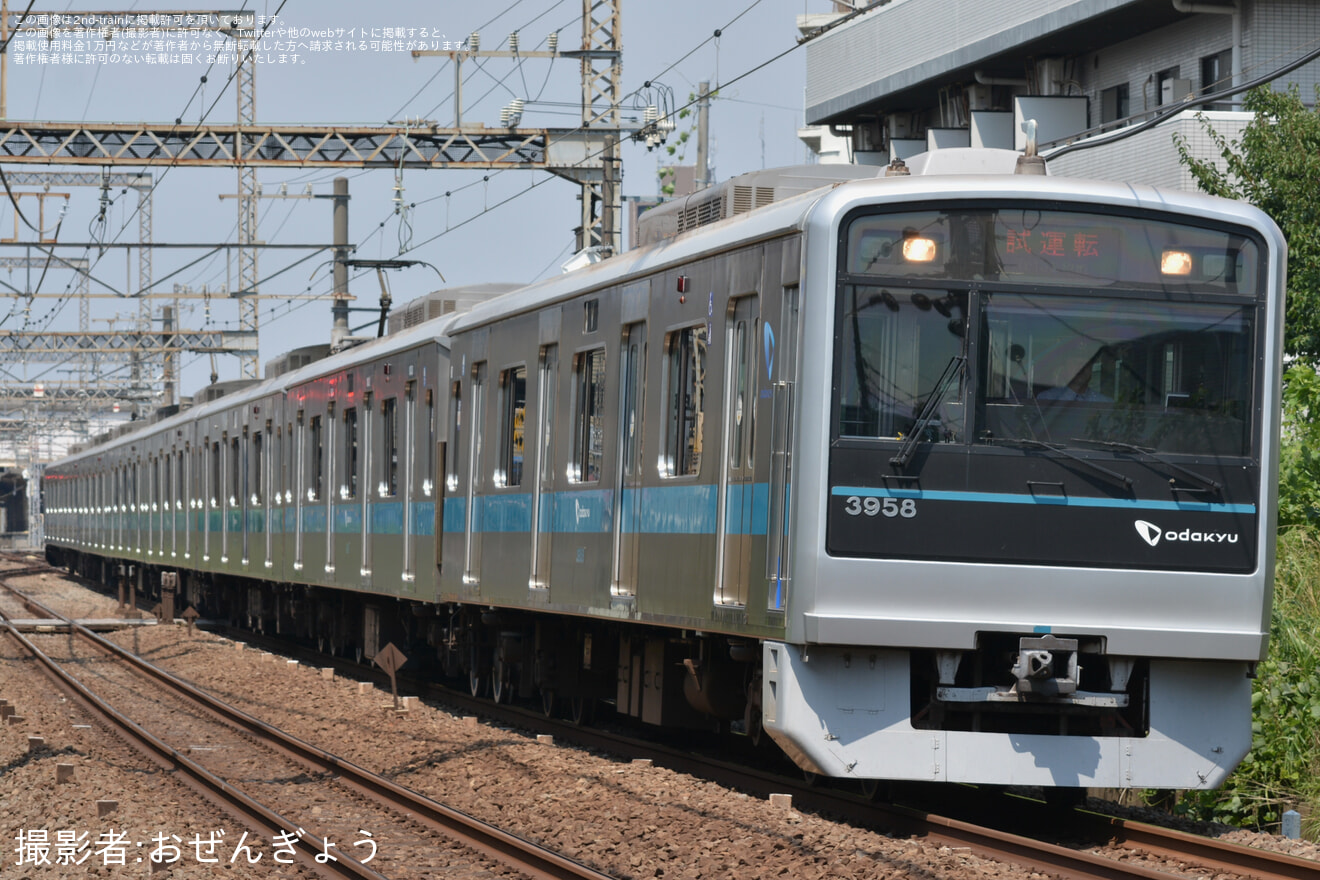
x=628, y=820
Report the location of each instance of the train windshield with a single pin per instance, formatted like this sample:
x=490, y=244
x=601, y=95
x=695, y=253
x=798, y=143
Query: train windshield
x=1162, y=359
x=1170, y=376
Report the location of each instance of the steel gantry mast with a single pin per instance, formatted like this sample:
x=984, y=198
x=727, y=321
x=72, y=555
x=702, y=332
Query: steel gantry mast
x=587, y=155
x=602, y=70
x=245, y=83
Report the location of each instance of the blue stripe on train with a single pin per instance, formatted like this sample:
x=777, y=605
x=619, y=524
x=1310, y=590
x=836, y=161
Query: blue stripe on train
x=690, y=509
x=1008, y=498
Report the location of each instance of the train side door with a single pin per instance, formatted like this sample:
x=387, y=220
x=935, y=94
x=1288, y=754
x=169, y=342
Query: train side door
x=737, y=466
x=628, y=488
x=547, y=379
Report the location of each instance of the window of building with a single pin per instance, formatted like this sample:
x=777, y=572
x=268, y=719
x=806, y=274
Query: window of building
x=685, y=400
x=1168, y=75
x=513, y=409
x=1217, y=76
x=1114, y=103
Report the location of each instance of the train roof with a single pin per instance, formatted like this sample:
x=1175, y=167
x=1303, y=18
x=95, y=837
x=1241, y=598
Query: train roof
x=430, y=331
x=765, y=223
x=939, y=174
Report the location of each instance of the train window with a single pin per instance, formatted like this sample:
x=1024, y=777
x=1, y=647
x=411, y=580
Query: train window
x=513, y=410
x=743, y=407
x=316, y=451
x=589, y=417
x=632, y=373
x=389, y=460
x=685, y=396
x=214, y=486
x=428, y=482
x=894, y=350
x=235, y=474
x=288, y=455
x=258, y=462
x=545, y=468
x=591, y=315
x=453, y=450
x=351, y=452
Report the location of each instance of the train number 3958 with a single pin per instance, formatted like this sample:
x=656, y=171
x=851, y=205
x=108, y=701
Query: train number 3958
x=872, y=506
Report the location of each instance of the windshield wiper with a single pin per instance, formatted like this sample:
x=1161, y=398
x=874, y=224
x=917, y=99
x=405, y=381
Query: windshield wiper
x=1152, y=455
x=927, y=415
x=1063, y=451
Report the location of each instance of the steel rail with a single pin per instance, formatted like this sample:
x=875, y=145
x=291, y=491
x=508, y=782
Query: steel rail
x=1219, y=856
x=481, y=837
x=215, y=788
x=999, y=845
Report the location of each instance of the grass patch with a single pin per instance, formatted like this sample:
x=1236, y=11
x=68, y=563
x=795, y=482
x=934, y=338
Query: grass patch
x=1282, y=771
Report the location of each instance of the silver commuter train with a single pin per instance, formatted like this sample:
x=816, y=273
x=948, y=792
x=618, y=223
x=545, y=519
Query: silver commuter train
x=942, y=476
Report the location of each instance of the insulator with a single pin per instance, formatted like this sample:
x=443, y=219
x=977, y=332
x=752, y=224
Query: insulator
x=474, y=41
x=650, y=115
x=553, y=42
x=513, y=42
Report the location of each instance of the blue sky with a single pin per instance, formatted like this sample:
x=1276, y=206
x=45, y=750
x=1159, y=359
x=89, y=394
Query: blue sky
x=753, y=125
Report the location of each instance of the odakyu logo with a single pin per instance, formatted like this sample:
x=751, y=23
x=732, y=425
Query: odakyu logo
x=768, y=341
x=1151, y=534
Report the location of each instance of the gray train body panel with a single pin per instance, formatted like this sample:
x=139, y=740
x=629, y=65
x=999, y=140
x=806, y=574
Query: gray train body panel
x=663, y=444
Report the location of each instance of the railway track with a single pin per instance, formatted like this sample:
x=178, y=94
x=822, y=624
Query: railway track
x=984, y=824
x=1121, y=849
x=278, y=784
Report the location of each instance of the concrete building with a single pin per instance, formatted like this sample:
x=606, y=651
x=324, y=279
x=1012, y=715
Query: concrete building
x=906, y=76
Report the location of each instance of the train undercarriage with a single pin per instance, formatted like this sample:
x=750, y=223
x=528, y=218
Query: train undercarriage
x=671, y=678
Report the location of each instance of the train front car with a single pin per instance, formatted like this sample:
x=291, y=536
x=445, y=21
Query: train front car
x=1034, y=484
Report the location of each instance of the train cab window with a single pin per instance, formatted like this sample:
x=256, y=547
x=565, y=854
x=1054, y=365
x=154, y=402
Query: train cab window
x=895, y=349
x=389, y=460
x=513, y=410
x=685, y=401
x=317, y=455
x=1172, y=376
x=350, y=453
x=588, y=417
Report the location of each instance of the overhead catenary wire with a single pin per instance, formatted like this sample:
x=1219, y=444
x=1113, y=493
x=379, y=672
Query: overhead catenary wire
x=501, y=202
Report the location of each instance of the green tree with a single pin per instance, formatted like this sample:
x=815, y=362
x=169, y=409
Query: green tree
x=1275, y=165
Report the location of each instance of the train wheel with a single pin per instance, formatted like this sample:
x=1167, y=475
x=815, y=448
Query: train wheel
x=811, y=778
x=874, y=789
x=548, y=702
x=500, y=687
x=476, y=683
x=581, y=710
x=755, y=729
